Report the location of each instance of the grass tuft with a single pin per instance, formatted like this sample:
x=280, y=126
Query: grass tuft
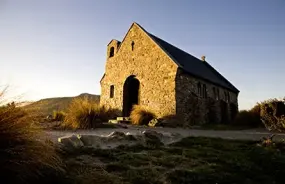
x=141, y=116
x=84, y=114
x=58, y=115
x=25, y=155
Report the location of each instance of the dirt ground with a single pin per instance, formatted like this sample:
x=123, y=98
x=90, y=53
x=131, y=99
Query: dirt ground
x=250, y=134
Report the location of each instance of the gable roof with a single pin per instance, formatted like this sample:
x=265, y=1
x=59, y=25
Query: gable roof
x=191, y=64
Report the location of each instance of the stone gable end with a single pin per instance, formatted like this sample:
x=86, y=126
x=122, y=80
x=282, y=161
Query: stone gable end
x=140, y=56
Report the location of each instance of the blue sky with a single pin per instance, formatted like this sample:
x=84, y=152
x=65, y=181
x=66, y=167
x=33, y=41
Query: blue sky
x=58, y=47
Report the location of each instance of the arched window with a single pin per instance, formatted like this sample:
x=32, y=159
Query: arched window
x=112, y=50
x=112, y=90
x=133, y=45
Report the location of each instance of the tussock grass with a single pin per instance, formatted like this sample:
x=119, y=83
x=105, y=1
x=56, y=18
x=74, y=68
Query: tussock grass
x=58, y=115
x=84, y=114
x=25, y=155
x=141, y=115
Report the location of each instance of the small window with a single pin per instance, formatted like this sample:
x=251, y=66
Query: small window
x=215, y=93
x=112, y=50
x=199, y=89
x=112, y=88
x=133, y=45
x=218, y=94
x=227, y=96
x=204, y=91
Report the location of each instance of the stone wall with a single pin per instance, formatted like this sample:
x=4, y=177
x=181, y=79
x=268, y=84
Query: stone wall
x=164, y=88
x=153, y=68
x=196, y=109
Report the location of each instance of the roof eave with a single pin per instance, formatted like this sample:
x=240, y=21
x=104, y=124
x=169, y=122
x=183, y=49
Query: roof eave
x=199, y=77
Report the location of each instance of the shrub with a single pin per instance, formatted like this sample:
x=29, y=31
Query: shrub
x=58, y=115
x=24, y=155
x=82, y=113
x=256, y=109
x=247, y=118
x=141, y=116
x=272, y=114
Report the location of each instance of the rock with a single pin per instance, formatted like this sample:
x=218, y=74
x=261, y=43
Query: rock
x=152, y=134
x=71, y=142
x=153, y=122
x=91, y=140
x=117, y=134
x=153, y=138
x=120, y=125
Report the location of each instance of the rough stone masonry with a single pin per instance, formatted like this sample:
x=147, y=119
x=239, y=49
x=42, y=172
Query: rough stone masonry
x=144, y=69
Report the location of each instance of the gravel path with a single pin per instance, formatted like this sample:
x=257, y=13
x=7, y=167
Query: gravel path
x=226, y=134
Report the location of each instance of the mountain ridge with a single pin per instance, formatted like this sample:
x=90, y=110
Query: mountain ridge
x=46, y=106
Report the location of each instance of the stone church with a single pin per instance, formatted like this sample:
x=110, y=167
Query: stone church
x=146, y=70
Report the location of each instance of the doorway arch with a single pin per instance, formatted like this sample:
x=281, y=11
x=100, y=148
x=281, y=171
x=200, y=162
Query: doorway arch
x=130, y=94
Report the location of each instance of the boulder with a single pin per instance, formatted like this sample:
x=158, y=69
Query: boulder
x=153, y=123
x=71, y=142
x=91, y=140
x=151, y=134
x=153, y=138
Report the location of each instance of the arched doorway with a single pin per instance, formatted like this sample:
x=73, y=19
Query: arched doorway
x=130, y=94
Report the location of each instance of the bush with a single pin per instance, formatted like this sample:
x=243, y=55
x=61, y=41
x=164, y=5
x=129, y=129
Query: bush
x=256, y=109
x=248, y=118
x=85, y=114
x=58, y=115
x=272, y=114
x=141, y=116
x=24, y=155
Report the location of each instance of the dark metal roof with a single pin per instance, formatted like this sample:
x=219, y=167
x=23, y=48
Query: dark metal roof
x=193, y=65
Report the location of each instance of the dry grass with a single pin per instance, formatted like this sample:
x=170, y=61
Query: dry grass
x=141, y=115
x=58, y=115
x=84, y=114
x=24, y=155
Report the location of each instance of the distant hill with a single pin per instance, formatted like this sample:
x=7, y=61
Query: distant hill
x=48, y=105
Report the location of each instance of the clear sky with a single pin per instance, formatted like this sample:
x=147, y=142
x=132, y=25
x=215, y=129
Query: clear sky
x=54, y=48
